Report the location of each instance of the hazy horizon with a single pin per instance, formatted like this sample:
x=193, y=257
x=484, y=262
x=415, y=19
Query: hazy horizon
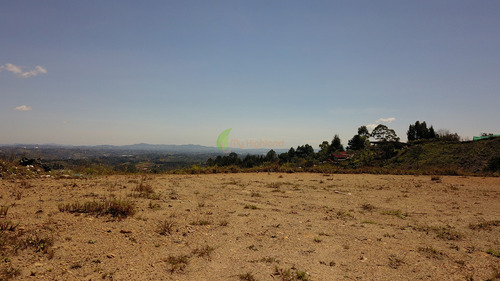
x=158, y=72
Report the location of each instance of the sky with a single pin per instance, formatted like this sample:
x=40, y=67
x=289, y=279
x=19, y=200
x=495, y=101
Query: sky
x=294, y=72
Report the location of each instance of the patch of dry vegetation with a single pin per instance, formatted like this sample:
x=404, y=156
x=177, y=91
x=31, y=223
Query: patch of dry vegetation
x=114, y=207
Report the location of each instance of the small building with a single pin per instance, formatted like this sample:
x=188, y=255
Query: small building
x=341, y=156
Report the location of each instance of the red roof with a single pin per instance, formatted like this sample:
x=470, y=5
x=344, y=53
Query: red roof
x=342, y=154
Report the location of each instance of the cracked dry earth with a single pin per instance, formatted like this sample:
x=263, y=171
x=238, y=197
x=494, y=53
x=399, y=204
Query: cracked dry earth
x=254, y=226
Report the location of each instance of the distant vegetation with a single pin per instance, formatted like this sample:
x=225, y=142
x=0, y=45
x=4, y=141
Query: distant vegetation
x=379, y=151
x=426, y=152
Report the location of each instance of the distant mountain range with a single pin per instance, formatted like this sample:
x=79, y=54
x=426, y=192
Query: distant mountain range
x=145, y=147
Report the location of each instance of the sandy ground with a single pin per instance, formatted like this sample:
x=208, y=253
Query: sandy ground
x=255, y=227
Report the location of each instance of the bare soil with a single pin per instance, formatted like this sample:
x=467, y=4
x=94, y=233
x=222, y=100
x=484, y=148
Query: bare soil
x=253, y=227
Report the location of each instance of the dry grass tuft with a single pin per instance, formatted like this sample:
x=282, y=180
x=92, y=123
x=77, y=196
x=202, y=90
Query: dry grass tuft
x=203, y=252
x=431, y=252
x=486, y=225
x=166, y=227
x=368, y=207
x=177, y=263
x=247, y=277
x=395, y=262
x=4, y=210
x=289, y=275
x=113, y=207
x=9, y=272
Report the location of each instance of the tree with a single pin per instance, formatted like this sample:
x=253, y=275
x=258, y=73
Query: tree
x=323, y=154
x=363, y=131
x=382, y=133
x=270, y=156
x=357, y=142
x=232, y=159
x=336, y=144
x=304, y=151
x=446, y=135
x=420, y=131
x=284, y=158
x=249, y=161
x=210, y=162
x=387, y=149
x=432, y=133
x=411, y=133
x=361, y=140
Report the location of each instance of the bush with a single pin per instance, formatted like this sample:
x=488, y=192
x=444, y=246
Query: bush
x=494, y=164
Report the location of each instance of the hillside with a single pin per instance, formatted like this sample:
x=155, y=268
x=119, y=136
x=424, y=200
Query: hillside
x=469, y=157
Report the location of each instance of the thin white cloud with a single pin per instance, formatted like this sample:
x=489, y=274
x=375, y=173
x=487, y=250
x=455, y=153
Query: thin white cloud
x=17, y=70
x=23, y=108
x=386, y=120
x=380, y=120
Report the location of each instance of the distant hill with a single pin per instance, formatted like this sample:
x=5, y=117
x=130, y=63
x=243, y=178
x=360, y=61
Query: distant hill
x=144, y=148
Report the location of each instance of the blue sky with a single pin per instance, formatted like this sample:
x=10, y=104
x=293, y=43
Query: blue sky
x=181, y=72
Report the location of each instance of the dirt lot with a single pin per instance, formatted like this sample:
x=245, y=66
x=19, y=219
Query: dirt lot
x=252, y=227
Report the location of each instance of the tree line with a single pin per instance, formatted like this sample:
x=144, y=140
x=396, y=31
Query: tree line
x=385, y=145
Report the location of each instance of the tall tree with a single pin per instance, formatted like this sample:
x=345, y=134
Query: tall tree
x=323, y=154
x=336, y=144
x=358, y=142
x=363, y=131
x=270, y=156
x=432, y=133
x=411, y=133
x=383, y=133
x=304, y=151
x=420, y=131
x=361, y=140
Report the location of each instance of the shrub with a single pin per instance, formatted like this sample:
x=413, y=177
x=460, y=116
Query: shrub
x=37, y=240
x=494, y=164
